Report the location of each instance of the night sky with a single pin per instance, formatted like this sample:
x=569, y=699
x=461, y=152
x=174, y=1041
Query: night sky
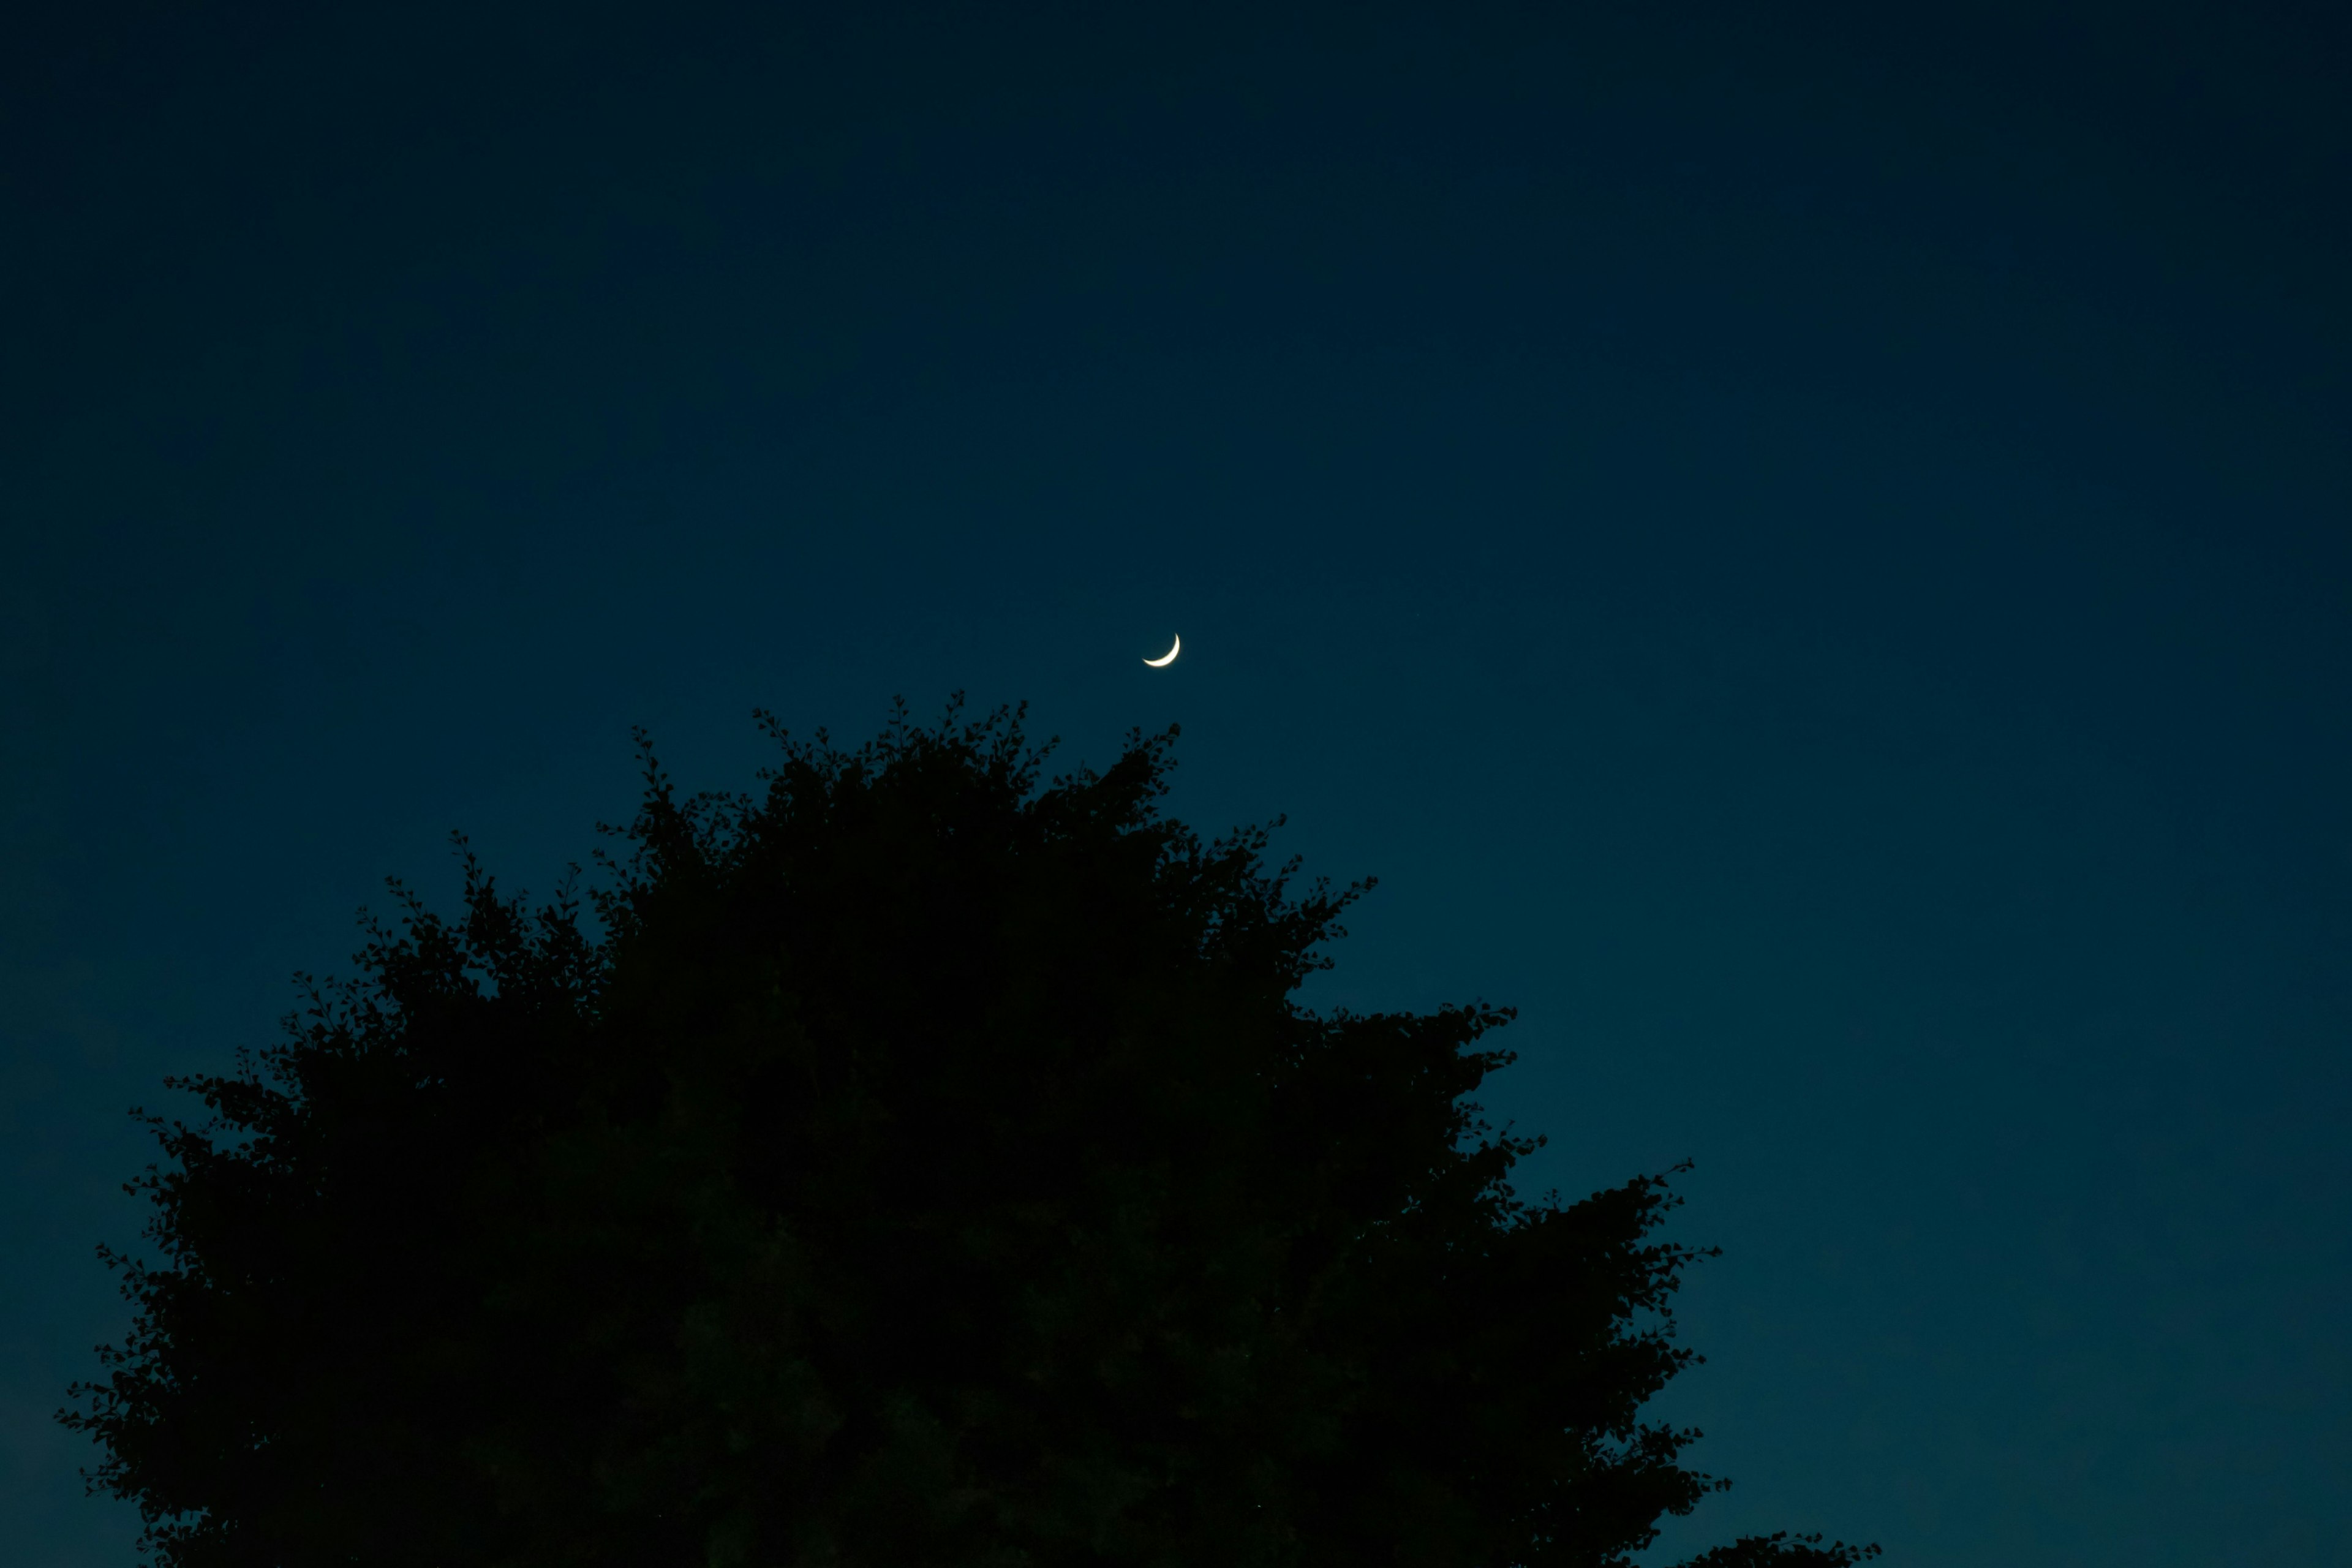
x=1808, y=554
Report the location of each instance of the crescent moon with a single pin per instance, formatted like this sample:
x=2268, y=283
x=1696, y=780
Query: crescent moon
x=1165, y=660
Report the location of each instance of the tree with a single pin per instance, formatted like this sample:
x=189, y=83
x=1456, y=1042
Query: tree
x=910, y=1164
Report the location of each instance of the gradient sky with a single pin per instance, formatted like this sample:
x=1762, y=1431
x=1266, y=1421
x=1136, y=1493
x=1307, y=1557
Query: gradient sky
x=1809, y=555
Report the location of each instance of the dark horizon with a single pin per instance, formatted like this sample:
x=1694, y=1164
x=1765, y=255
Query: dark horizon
x=1807, y=554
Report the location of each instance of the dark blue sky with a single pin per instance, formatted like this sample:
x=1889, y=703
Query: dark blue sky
x=1810, y=555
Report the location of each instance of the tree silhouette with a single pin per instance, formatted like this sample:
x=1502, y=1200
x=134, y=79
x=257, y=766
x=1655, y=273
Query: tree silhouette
x=911, y=1164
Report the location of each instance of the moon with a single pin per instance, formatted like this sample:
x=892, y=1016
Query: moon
x=1165, y=660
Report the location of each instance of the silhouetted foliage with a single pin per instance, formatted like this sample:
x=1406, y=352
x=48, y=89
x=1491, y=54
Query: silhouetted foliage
x=909, y=1165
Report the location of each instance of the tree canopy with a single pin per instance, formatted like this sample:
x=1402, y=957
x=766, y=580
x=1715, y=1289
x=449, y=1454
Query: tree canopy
x=917, y=1161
